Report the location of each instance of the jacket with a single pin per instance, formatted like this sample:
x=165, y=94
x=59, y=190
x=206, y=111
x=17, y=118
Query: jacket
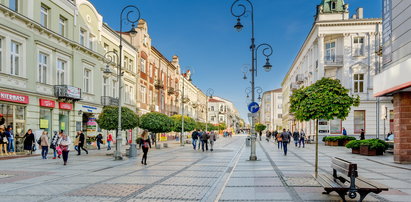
x=296, y=135
x=142, y=142
x=65, y=142
x=285, y=136
x=44, y=140
x=194, y=135
x=205, y=137
x=81, y=139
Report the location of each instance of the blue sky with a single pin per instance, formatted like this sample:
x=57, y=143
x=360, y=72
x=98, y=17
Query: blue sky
x=201, y=33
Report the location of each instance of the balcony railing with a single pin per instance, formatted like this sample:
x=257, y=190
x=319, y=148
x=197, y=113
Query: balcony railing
x=109, y=101
x=293, y=86
x=159, y=85
x=337, y=60
x=67, y=92
x=170, y=91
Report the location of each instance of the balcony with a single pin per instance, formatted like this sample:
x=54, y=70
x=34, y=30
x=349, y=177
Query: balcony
x=158, y=85
x=299, y=79
x=67, y=92
x=109, y=101
x=170, y=91
x=337, y=60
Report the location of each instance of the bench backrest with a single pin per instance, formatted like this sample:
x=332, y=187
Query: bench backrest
x=344, y=167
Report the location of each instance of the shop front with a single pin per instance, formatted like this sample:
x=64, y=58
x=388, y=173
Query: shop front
x=89, y=115
x=46, y=116
x=13, y=114
x=64, y=114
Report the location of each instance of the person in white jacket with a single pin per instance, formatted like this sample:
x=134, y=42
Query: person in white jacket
x=64, y=143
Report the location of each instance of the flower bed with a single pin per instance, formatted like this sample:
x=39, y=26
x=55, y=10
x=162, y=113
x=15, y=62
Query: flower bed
x=337, y=140
x=370, y=147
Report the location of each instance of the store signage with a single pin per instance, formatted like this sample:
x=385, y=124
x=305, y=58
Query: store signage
x=47, y=103
x=67, y=106
x=323, y=127
x=70, y=92
x=10, y=97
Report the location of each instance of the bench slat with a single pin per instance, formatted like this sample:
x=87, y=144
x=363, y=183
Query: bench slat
x=327, y=181
x=345, y=167
x=366, y=182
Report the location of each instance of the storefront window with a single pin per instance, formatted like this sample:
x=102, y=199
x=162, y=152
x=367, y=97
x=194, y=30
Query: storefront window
x=14, y=116
x=359, y=120
x=64, y=121
x=45, y=120
x=335, y=126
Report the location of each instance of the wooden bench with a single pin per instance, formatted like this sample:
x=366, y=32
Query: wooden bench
x=345, y=180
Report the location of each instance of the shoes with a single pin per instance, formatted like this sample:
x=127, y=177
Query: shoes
x=142, y=162
x=54, y=157
x=86, y=152
x=65, y=163
x=59, y=157
x=145, y=163
x=78, y=154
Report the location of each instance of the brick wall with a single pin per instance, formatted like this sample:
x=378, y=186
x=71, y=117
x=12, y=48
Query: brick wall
x=402, y=127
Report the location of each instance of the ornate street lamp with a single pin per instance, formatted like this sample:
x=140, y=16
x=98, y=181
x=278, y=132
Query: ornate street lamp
x=209, y=94
x=238, y=26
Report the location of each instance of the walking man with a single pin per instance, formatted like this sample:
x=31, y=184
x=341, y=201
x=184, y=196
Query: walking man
x=81, y=143
x=200, y=139
x=302, y=138
x=344, y=132
x=285, y=136
x=212, y=140
x=205, y=138
x=296, y=137
x=194, y=137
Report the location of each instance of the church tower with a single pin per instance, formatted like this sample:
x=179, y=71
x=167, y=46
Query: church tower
x=332, y=10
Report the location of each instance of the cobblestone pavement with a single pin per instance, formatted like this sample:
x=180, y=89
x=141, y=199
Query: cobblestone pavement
x=182, y=174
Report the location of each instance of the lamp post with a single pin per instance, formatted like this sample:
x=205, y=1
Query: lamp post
x=267, y=66
x=209, y=94
x=182, y=105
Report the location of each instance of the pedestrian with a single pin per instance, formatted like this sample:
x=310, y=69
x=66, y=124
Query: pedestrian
x=344, y=132
x=194, y=137
x=64, y=143
x=29, y=141
x=213, y=138
x=53, y=144
x=145, y=144
x=109, y=140
x=205, y=138
x=3, y=141
x=200, y=139
x=260, y=134
x=279, y=141
x=267, y=135
x=362, y=135
x=275, y=135
x=153, y=138
x=302, y=138
x=10, y=138
x=44, y=143
x=76, y=141
x=285, y=136
x=99, y=140
x=296, y=137
x=81, y=143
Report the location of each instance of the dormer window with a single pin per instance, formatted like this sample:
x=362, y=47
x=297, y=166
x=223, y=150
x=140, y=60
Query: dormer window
x=333, y=5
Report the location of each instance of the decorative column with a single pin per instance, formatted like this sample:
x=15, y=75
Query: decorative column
x=321, y=55
x=346, y=58
x=402, y=127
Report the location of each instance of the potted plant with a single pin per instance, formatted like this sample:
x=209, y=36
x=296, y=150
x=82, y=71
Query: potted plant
x=379, y=145
x=332, y=141
x=354, y=145
x=325, y=140
x=344, y=139
x=365, y=148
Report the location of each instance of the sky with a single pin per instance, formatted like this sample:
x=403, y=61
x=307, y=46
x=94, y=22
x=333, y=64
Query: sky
x=202, y=34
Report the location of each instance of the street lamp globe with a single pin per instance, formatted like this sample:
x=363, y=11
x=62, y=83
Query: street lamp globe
x=267, y=67
x=133, y=31
x=238, y=26
x=107, y=70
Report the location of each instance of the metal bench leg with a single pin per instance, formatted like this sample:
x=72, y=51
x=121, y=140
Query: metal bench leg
x=362, y=195
x=342, y=195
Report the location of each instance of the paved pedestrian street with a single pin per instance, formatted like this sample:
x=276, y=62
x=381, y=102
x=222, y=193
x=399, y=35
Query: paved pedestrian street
x=182, y=174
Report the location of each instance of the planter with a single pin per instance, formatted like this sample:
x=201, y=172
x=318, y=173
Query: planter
x=343, y=142
x=333, y=143
x=326, y=143
x=380, y=152
x=355, y=150
x=364, y=150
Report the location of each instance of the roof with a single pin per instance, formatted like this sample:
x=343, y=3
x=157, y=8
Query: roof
x=214, y=100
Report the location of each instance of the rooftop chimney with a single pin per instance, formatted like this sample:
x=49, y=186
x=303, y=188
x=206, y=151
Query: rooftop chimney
x=360, y=13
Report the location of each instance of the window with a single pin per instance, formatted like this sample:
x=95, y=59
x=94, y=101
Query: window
x=15, y=58
x=14, y=5
x=143, y=65
x=221, y=118
x=280, y=116
x=333, y=5
x=62, y=26
x=1, y=54
x=126, y=94
x=87, y=81
x=280, y=106
x=335, y=126
x=212, y=108
x=115, y=89
x=150, y=70
x=61, y=72
x=44, y=14
x=131, y=94
x=150, y=97
x=42, y=68
x=91, y=42
x=105, y=86
x=131, y=65
x=126, y=63
x=82, y=36
x=358, y=83
x=330, y=51
x=212, y=118
x=143, y=94
x=359, y=120
x=145, y=40
x=358, y=47
x=106, y=47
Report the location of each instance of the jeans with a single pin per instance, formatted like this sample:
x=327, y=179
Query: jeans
x=144, y=159
x=10, y=146
x=194, y=144
x=211, y=145
x=200, y=142
x=44, y=151
x=65, y=156
x=303, y=141
x=296, y=142
x=280, y=144
x=285, y=147
x=204, y=143
x=81, y=147
x=98, y=144
x=108, y=145
x=55, y=153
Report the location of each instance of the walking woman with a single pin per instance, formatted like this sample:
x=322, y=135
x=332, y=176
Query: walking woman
x=29, y=141
x=53, y=144
x=145, y=144
x=279, y=141
x=3, y=141
x=64, y=143
x=44, y=143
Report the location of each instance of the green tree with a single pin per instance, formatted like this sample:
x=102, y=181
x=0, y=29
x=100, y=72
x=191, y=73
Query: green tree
x=260, y=127
x=189, y=123
x=156, y=123
x=325, y=99
x=201, y=125
x=222, y=126
x=108, y=119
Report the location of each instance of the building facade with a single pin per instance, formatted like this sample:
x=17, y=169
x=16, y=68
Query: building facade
x=221, y=110
x=393, y=78
x=271, y=109
x=341, y=47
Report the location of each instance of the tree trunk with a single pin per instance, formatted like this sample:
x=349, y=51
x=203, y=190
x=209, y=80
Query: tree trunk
x=316, y=148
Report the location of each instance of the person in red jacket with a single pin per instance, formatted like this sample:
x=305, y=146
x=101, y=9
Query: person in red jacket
x=109, y=140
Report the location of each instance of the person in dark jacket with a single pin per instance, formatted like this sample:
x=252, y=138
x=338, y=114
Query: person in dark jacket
x=285, y=136
x=29, y=141
x=3, y=141
x=81, y=142
x=145, y=144
x=194, y=137
x=296, y=137
x=99, y=140
x=205, y=138
x=362, y=135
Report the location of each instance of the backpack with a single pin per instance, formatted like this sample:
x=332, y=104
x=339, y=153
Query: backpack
x=39, y=141
x=145, y=144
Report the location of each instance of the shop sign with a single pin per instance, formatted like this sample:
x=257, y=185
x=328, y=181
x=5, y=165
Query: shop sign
x=67, y=106
x=88, y=109
x=323, y=127
x=91, y=124
x=47, y=103
x=44, y=123
x=163, y=137
x=65, y=91
x=10, y=97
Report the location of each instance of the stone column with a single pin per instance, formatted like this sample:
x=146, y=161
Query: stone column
x=346, y=74
x=320, y=73
x=402, y=127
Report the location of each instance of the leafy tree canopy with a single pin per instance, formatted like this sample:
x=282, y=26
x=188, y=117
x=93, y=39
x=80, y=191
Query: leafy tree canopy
x=108, y=119
x=325, y=99
x=189, y=123
x=222, y=126
x=201, y=125
x=156, y=122
x=260, y=127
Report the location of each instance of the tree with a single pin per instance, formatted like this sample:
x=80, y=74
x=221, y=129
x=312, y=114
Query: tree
x=201, y=125
x=325, y=99
x=189, y=123
x=222, y=126
x=260, y=127
x=156, y=123
x=108, y=119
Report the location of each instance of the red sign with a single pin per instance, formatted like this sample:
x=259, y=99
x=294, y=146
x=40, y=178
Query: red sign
x=47, y=103
x=14, y=98
x=67, y=106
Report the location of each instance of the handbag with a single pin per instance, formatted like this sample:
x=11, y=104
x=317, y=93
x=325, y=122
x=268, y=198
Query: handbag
x=58, y=149
x=5, y=140
x=64, y=147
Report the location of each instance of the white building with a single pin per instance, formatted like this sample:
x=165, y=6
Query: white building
x=271, y=109
x=341, y=47
x=223, y=111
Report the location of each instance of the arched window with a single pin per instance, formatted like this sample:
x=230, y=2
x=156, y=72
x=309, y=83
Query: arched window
x=333, y=5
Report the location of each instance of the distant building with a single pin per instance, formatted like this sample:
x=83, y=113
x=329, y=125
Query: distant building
x=223, y=111
x=271, y=109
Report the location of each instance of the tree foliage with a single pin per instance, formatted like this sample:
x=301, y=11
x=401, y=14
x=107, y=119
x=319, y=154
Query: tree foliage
x=222, y=126
x=108, y=119
x=325, y=99
x=189, y=123
x=260, y=127
x=201, y=125
x=156, y=122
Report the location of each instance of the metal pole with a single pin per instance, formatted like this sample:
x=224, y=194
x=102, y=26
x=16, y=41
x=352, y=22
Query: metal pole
x=207, y=113
x=253, y=155
x=182, y=116
x=378, y=118
x=119, y=139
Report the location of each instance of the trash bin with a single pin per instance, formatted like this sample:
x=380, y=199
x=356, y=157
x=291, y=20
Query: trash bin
x=248, y=141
